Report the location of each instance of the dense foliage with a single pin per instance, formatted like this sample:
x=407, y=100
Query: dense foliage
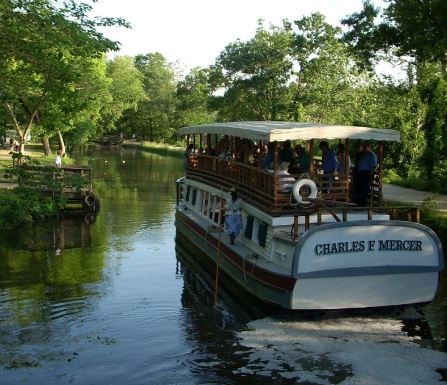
x=25, y=206
x=55, y=80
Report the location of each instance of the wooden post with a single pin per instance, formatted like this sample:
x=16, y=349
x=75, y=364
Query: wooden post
x=393, y=213
x=208, y=144
x=275, y=158
x=310, y=151
x=347, y=186
x=295, y=227
x=380, y=161
x=418, y=215
x=275, y=174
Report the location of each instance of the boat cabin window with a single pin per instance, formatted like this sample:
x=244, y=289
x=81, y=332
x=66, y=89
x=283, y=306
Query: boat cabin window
x=194, y=197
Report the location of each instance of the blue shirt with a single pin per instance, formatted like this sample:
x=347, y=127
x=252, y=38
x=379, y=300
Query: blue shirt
x=367, y=161
x=329, y=162
x=266, y=163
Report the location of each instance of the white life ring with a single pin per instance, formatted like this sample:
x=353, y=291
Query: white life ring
x=310, y=184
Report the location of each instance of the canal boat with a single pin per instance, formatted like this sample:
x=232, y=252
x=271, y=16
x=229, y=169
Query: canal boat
x=305, y=244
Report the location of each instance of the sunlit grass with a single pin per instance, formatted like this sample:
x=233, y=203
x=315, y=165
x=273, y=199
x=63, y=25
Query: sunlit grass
x=159, y=148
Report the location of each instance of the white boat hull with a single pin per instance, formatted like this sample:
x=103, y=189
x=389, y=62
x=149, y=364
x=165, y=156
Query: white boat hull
x=366, y=264
x=364, y=291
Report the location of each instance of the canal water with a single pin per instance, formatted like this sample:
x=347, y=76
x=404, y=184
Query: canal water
x=114, y=300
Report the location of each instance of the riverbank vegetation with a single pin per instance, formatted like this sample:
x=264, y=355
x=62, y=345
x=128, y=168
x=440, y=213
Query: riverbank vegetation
x=57, y=84
x=158, y=148
x=22, y=206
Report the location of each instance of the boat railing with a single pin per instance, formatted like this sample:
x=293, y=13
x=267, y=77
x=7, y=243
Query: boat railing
x=267, y=190
x=407, y=213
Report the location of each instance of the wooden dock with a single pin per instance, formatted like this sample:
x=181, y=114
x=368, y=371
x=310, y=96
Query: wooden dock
x=73, y=183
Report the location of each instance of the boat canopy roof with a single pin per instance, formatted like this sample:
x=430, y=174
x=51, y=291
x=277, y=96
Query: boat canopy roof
x=270, y=131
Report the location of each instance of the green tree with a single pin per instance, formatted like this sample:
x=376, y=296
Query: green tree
x=42, y=60
x=126, y=91
x=328, y=86
x=254, y=76
x=193, y=97
x=407, y=27
x=152, y=120
x=416, y=32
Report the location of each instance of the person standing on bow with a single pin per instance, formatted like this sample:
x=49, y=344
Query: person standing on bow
x=233, y=216
x=330, y=165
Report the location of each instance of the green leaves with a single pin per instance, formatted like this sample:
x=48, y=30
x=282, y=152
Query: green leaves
x=255, y=75
x=51, y=48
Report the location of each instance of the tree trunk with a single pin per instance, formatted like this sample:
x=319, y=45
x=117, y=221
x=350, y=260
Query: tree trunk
x=22, y=134
x=46, y=146
x=61, y=143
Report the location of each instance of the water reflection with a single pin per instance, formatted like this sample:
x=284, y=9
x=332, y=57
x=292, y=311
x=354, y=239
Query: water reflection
x=47, y=272
x=114, y=300
x=72, y=231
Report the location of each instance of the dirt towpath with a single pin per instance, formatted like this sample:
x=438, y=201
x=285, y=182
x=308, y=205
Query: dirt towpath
x=412, y=197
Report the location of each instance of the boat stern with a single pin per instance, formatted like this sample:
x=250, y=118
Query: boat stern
x=366, y=264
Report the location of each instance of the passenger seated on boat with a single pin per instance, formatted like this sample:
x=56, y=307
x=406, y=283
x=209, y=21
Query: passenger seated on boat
x=188, y=151
x=233, y=216
x=286, y=153
x=301, y=161
x=330, y=165
x=268, y=159
x=285, y=179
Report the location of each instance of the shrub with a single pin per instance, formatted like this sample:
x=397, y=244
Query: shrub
x=20, y=206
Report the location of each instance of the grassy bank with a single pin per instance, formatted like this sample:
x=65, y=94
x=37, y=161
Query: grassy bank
x=416, y=182
x=158, y=148
x=34, y=151
x=19, y=206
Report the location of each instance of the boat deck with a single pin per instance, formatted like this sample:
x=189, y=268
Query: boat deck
x=265, y=190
